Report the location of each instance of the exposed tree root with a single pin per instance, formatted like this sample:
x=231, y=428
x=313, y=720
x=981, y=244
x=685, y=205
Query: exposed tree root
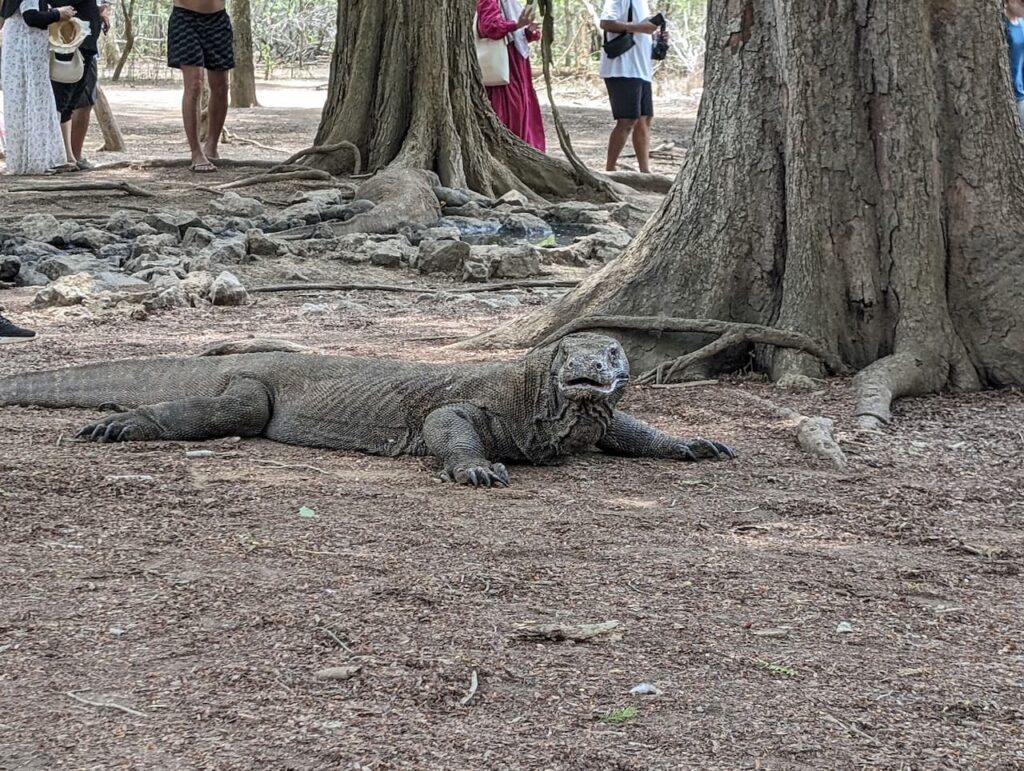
x=902, y=374
x=647, y=183
x=271, y=176
x=184, y=163
x=475, y=289
x=229, y=138
x=357, y=158
x=731, y=334
x=75, y=187
x=813, y=434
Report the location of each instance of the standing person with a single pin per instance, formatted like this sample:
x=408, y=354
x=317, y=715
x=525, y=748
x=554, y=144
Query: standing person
x=33, y=139
x=75, y=100
x=199, y=41
x=628, y=79
x=516, y=104
x=1014, y=12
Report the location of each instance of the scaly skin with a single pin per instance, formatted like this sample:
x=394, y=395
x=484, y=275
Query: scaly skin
x=553, y=402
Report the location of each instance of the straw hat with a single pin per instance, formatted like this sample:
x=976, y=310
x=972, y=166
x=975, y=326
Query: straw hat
x=67, y=35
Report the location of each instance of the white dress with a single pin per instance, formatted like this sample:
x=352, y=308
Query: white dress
x=31, y=123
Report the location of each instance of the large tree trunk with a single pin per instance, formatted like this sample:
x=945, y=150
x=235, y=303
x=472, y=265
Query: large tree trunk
x=857, y=175
x=243, y=78
x=405, y=89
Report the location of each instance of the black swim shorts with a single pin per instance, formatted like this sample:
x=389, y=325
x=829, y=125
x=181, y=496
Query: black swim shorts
x=631, y=98
x=200, y=40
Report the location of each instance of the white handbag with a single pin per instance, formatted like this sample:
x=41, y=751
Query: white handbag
x=64, y=38
x=493, y=57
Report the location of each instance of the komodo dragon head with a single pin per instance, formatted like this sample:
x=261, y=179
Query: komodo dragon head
x=589, y=367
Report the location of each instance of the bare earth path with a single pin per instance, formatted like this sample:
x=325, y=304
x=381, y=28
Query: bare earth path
x=793, y=616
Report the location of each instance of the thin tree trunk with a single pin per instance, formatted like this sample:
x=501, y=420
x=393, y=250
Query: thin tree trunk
x=127, y=12
x=243, y=78
x=405, y=89
x=113, y=140
x=857, y=175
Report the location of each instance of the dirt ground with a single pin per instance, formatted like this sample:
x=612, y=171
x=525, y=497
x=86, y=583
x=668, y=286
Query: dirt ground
x=792, y=616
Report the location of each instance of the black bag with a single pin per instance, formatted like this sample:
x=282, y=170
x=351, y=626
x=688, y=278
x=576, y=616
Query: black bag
x=616, y=47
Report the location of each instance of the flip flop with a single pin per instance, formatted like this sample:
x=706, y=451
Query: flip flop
x=203, y=168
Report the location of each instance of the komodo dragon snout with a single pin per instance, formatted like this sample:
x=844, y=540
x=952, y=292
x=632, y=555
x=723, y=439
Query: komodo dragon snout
x=591, y=367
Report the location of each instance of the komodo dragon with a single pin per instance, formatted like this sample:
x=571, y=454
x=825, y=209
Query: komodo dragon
x=555, y=401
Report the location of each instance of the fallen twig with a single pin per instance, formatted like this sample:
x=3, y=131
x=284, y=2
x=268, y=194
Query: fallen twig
x=105, y=704
x=220, y=163
x=278, y=464
x=476, y=288
x=77, y=187
x=813, y=434
x=576, y=632
x=230, y=138
x=474, y=683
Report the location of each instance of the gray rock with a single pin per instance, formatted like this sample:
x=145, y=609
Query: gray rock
x=387, y=255
x=173, y=221
x=39, y=227
x=258, y=244
x=66, y=291
x=517, y=262
x=476, y=267
x=513, y=198
x=168, y=299
x=306, y=213
x=92, y=238
x=10, y=267
x=140, y=229
x=440, y=234
x=31, y=277
x=116, y=254
x=33, y=251
x=123, y=221
x=145, y=246
x=575, y=254
x=469, y=226
x=226, y=251
x=234, y=205
x=525, y=226
x=56, y=266
x=107, y=280
x=570, y=211
x=495, y=302
x=197, y=286
x=441, y=256
x=320, y=198
x=197, y=239
x=228, y=290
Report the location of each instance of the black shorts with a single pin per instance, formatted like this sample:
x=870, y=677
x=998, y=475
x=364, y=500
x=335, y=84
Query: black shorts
x=71, y=96
x=631, y=98
x=200, y=40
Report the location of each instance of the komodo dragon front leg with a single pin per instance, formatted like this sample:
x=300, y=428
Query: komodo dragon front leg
x=243, y=409
x=628, y=436
x=455, y=435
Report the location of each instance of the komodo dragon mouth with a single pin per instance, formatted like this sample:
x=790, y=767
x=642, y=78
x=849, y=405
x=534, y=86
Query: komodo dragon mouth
x=582, y=385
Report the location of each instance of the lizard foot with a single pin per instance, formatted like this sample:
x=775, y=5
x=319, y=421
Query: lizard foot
x=704, y=449
x=483, y=475
x=120, y=427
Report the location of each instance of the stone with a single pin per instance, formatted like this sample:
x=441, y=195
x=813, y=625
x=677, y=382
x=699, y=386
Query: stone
x=168, y=299
x=440, y=234
x=514, y=198
x=33, y=251
x=115, y=254
x=66, y=290
x=108, y=281
x=29, y=276
x=495, y=302
x=258, y=244
x=469, y=226
x=441, y=256
x=234, y=205
x=573, y=254
x=226, y=251
x=306, y=213
x=387, y=255
x=197, y=286
x=320, y=198
x=517, y=262
x=91, y=238
x=10, y=267
x=228, y=290
x=153, y=245
x=57, y=266
x=39, y=227
x=122, y=221
x=197, y=239
x=570, y=211
x=476, y=268
x=141, y=229
x=529, y=227
x=173, y=221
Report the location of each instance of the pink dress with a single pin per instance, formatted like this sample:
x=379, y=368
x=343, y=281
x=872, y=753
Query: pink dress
x=515, y=104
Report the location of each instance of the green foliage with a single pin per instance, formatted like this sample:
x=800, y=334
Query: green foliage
x=621, y=715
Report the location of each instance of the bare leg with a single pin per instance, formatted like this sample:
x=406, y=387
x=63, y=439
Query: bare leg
x=190, y=100
x=617, y=141
x=218, y=110
x=79, y=128
x=65, y=132
x=453, y=436
x=642, y=144
x=628, y=436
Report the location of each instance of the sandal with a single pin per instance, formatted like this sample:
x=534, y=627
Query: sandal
x=203, y=168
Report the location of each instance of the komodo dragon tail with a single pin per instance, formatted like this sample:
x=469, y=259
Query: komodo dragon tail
x=128, y=383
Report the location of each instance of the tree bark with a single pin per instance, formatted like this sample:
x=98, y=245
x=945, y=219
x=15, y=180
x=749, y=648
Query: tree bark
x=127, y=14
x=113, y=140
x=405, y=89
x=857, y=175
x=243, y=78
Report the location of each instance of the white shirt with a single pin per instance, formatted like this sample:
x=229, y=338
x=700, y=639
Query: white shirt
x=636, y=62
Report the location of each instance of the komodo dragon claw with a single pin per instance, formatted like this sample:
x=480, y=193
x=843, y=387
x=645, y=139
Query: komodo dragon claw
x=493, y=475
